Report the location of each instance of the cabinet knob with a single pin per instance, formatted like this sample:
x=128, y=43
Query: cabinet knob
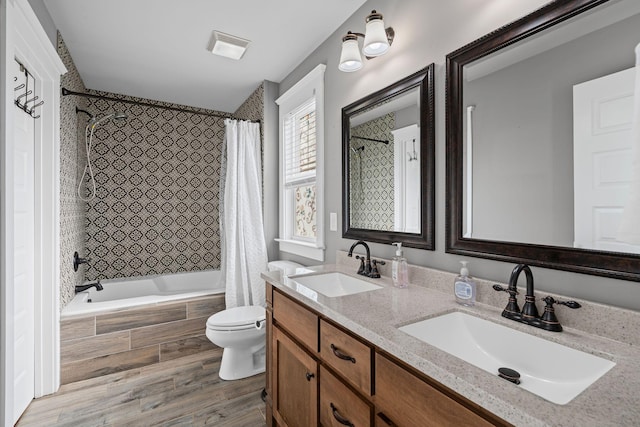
x=309, y=375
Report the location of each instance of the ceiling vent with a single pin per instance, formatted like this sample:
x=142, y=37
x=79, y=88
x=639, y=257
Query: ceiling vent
x=227, y=45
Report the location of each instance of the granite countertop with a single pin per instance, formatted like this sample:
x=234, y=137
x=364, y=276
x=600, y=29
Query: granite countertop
x=613, y=400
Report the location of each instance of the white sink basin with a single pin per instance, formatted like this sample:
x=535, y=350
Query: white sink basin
x=333, y=284
x=550, y=370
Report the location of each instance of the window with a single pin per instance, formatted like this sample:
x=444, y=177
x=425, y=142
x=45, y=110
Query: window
x=301, y=166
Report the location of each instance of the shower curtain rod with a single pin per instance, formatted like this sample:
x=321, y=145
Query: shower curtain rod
x=384, y=141
x=66, y=92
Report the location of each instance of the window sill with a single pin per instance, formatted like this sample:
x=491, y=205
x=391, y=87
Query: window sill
x=305, y=249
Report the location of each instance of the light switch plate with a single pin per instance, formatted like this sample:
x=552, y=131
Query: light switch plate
x=333, y=221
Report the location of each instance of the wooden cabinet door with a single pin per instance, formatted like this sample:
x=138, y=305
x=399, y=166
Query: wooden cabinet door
x=294, y=383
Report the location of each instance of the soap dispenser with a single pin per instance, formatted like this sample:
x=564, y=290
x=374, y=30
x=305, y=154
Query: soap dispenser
x=465, y=287
x=399, y=268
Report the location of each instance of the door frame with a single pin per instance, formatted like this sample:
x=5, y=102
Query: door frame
x=24, y=38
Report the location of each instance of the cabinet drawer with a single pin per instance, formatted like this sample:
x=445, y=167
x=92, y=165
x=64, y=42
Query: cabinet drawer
x=406, y=400
x=297, y=320
x=339, y=406
x=346, y=355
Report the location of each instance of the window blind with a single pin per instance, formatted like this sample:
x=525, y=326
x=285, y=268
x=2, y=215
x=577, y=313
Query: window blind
x=300, y=145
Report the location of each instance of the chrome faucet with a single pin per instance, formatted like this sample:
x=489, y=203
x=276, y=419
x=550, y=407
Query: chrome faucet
x=529, y=314
x=96, y=284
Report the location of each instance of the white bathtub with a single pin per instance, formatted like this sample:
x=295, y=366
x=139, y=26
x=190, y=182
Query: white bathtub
x=134, y=291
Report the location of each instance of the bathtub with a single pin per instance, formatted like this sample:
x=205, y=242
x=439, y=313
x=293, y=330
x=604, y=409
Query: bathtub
x=135, y=291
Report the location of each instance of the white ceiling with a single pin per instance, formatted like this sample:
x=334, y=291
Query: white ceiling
x=157, y=49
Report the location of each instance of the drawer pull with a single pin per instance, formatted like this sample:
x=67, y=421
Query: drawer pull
x=341, y=355
x=309, y=375
x=339, y=418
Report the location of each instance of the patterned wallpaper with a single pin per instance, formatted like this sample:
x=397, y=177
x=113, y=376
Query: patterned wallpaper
x=156, y=209
x=72, y=209
x=253, y=107
x=371, y=175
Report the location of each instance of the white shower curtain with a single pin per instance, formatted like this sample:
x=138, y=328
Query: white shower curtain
x=629, y=230
x=243, y=247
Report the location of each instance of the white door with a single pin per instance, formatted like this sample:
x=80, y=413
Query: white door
x=23, y=250
x=603, y=120
x=406, y=181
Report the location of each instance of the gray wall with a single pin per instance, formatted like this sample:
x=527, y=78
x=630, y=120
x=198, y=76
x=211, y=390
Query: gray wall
x=45, y=20
x=523, y=136
x=426, y=31
x=270, y=167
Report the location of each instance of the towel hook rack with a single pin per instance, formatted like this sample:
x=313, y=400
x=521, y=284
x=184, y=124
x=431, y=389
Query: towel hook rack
x=26, y=91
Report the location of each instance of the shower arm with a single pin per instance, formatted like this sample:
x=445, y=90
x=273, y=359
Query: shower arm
x=80, y=110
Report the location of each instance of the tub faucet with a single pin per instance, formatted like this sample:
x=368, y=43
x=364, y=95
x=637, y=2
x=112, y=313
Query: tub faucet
x=365, y=263
x=96, y=284
x=529, y=313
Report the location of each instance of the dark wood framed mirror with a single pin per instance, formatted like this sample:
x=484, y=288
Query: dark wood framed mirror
x=388, y=164
x=529, y=207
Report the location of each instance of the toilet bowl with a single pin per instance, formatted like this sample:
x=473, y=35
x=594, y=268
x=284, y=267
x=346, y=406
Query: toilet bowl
x=240, y=331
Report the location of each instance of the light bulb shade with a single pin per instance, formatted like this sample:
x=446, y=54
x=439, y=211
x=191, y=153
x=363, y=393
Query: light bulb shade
x=375, y=38
x=350, y=59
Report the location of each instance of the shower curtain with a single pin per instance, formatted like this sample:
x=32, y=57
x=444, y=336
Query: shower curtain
x=243, y=247
x=629, y=230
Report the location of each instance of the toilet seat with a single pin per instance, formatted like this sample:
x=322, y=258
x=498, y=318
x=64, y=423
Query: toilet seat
x=237, y=318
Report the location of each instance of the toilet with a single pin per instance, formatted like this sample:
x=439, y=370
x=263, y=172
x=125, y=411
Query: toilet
x=240, y=332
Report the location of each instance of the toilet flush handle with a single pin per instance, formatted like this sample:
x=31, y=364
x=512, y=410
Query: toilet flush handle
x=260, y=323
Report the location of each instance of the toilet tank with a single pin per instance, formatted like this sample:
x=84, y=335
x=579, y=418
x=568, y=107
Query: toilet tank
x=283, y=265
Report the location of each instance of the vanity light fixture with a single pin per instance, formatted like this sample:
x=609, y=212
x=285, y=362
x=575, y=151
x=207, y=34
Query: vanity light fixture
x=227, y=45
x=376, y=42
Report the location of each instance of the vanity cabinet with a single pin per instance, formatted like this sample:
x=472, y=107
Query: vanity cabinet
x=318, y=373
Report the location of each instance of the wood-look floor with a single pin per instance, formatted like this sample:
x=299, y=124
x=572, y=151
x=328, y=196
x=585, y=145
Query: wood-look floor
x=181, y=392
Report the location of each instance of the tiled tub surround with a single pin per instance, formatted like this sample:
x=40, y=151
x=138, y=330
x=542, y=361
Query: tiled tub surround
x=105, y=343
x=607, y=332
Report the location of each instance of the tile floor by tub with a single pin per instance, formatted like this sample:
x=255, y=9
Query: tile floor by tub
x=182, y=392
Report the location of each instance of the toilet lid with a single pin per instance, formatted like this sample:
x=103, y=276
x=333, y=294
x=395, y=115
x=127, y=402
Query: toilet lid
x=237, y=316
